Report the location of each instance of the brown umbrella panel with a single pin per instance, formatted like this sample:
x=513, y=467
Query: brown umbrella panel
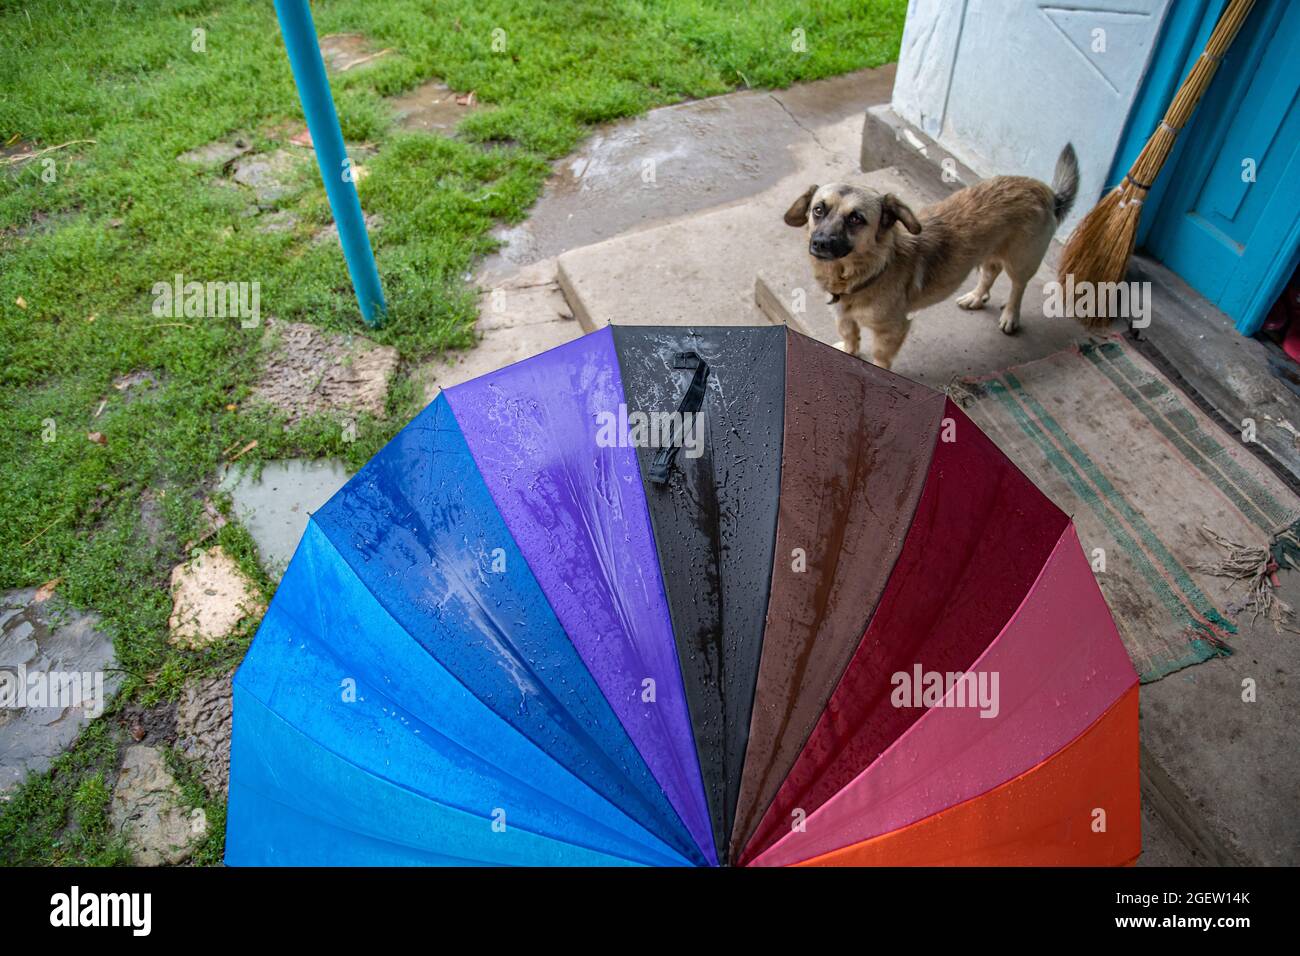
x=858, y=442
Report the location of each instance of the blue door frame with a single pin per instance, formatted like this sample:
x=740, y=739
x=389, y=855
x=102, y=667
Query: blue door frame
x=1274, y=249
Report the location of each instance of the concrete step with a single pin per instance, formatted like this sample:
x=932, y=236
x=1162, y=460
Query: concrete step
x=699, y=269
x=1239, y=377
x=695, y=272
x=520, y=315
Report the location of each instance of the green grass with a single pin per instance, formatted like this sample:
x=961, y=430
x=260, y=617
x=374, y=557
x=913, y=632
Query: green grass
x=61, y=817
x=84, y=251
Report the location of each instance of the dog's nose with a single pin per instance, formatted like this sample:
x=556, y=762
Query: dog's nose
x=826, y=246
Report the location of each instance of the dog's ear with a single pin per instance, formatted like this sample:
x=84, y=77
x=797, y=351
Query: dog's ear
x=892, y=210
x=797, y=215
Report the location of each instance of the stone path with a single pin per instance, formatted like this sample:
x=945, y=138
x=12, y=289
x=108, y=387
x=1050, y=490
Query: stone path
x=203, y=730
x=306, y=371
x=57, y=673
x=147, y=809
x=701, y=155
x=270, y=176
x=348, y=51
x=520, y=315
x=211, y=597
x=309, y=371
x=220, y=153
x=274, y=506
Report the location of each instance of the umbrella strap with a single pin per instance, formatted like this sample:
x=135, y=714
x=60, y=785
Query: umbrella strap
x=690, y=404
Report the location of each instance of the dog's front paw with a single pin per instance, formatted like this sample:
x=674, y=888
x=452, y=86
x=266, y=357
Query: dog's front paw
x=843, y=347
x=971, y=301
x=1009, y=322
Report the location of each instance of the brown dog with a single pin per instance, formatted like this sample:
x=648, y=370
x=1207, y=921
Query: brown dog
x=881, y=262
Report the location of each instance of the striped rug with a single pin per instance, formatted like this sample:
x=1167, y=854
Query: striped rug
x=1141, y=469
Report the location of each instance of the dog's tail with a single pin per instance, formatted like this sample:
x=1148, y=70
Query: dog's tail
x=1065, y=182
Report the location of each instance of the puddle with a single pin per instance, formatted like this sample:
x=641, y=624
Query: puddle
x=348, y=51
x=433, y=108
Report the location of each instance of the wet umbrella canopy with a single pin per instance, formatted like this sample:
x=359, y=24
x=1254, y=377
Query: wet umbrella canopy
x=687, y=596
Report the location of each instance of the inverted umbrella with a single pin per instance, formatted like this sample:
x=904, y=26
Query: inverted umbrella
x=686, y=596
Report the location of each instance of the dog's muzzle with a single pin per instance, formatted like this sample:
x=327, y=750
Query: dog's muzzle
x=829, y=247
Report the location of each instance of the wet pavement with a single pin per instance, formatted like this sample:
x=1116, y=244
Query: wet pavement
x=680, y=160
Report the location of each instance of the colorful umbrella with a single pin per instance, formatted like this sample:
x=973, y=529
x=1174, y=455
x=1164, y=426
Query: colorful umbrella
x=687, y=596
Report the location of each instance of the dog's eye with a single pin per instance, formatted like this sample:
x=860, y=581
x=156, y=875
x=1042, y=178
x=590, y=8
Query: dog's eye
x=819, y=210
x=855, y=219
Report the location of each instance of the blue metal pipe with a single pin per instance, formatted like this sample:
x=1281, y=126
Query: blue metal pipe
x=323, y=123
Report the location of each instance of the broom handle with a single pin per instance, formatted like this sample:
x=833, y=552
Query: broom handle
x=1193, y=87
x=1198, y=80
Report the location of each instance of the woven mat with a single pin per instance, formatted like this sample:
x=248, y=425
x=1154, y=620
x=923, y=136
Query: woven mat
x=1141, y=469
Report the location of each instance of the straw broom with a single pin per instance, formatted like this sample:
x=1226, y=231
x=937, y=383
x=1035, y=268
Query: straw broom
x=1099, y=248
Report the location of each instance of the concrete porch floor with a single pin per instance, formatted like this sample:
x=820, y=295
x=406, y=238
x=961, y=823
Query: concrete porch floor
x=701, y=241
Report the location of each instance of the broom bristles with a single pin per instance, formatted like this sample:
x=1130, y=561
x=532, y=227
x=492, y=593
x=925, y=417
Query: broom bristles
x=1099, y=248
